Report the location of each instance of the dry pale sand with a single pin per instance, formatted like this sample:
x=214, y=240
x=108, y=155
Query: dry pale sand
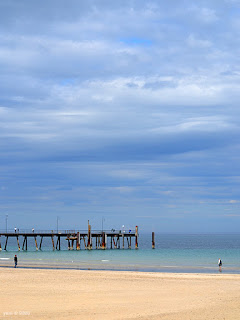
x=73, y=294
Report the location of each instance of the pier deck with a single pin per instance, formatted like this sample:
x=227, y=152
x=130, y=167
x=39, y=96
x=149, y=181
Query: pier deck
x=109, y=239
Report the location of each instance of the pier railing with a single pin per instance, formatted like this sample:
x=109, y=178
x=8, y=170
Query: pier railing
x=64, y=231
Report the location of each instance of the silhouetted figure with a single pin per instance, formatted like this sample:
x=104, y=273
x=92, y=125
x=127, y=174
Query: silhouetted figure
x=15, y=261
x=220, y=264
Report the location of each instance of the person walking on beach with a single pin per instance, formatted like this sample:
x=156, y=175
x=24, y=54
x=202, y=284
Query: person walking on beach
x=15, y=261
x=220, y=264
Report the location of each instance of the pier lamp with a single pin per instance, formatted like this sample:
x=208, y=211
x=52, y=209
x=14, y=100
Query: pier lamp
x=57, y=223
x=103, y=219
x=6, y=222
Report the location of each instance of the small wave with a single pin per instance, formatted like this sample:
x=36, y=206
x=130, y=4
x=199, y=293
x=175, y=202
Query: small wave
x=104, y=260
x=4, y=258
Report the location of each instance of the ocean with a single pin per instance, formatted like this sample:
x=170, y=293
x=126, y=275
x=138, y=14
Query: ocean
x=189, y=253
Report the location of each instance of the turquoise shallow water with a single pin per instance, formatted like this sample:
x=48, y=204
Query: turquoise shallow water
x=173, y=253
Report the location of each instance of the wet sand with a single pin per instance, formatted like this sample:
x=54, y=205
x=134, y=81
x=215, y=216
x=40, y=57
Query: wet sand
x=75, y=294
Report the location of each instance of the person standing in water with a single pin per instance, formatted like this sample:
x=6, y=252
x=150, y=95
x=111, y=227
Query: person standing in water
x=220, y=264
x=15, y=261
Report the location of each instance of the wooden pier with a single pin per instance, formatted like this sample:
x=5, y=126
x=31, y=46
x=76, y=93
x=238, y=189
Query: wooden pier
x=75, y=239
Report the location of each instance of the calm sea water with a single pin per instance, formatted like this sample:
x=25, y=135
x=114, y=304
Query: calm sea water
x=173, y=253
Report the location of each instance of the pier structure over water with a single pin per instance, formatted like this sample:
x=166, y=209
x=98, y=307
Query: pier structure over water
x=75, y=239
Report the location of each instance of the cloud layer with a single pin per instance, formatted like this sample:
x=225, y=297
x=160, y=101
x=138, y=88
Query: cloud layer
x=126, y=109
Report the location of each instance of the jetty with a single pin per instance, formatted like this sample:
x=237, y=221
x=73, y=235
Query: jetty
x=76, y=239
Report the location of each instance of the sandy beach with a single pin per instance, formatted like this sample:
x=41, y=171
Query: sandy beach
x=73, y=294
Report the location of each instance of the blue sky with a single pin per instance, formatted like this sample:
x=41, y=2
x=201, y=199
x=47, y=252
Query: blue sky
x=127, y=110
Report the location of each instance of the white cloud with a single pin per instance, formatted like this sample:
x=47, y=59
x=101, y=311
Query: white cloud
x=192, y=41
x=129, y=173
x=233, y=201
x=123, y=189
x=203, y=14
x=208, y=15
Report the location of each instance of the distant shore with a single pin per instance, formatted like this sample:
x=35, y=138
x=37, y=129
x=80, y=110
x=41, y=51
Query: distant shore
x=77, y=294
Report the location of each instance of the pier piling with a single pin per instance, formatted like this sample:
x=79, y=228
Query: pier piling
x=58, y=245
x=103, y=241
x=153, y=240
x=18, y=244
x=136, y=238
x=89, y=245
x=24, y=240
x=6, y=243
x=35, y=238
x=53, y=242
x=78, y=241
x=40, y=246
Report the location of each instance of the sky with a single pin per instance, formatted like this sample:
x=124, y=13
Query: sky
x=121, y=113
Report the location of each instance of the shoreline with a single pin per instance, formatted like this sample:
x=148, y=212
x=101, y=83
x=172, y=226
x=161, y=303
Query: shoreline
x=75, y=294
x=133, y=272
x=118, y=271
x=98, y=267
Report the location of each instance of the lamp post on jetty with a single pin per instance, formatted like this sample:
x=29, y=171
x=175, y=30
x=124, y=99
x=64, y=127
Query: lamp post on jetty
x=57, y=223
x=6, y=222
x=103, y=219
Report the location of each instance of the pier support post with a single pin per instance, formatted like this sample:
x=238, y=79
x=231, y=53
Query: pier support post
x=99, y=242
x=35, y=238
x=103, y=240
x=89, y=245
x=18, y=244
x=23, y=243
x=58, y=243
x=153, y=240
x=123, y=240
x=129, y=242
x=136, y=237
x=118, y=241
x=84, y=242
x=78, y=241
x=6, y=243
x=114, y=243
x=0, y=244
x=53, y=242
x=40, y=246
